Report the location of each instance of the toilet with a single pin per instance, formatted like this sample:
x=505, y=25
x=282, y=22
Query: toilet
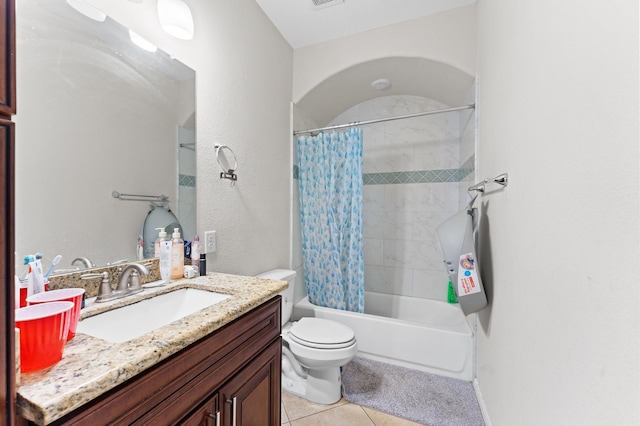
x=313, y=349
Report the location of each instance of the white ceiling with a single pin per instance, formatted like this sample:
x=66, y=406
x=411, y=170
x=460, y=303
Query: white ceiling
x=302, y=24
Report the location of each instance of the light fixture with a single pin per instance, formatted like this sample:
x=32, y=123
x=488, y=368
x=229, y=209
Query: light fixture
x=141, y=42
x=175, y=18
x=88, y=10
x=381, y=84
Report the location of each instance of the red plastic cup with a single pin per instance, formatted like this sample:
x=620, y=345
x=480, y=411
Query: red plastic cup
x=73, y=295
x=23, y=293
x=43, y=333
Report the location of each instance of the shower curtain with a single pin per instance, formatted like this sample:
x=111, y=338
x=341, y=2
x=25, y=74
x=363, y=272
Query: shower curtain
x=330, y=182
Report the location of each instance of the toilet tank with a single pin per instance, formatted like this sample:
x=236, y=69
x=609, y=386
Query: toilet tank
x=287, y=294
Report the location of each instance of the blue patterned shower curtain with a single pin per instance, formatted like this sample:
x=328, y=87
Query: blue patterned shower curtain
x=330, y=181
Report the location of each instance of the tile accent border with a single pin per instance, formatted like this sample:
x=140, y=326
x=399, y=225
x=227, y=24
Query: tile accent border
x=186, y=180
x=417, y=176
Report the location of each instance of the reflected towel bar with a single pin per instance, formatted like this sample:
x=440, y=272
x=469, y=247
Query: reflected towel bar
x=136, y=197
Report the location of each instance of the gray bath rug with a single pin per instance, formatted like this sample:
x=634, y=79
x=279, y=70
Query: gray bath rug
x=414, y=395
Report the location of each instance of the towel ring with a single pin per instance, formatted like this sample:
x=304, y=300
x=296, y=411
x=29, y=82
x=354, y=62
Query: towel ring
x=227, y=172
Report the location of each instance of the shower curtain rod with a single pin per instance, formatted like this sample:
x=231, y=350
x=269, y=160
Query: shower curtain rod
x=381, y=120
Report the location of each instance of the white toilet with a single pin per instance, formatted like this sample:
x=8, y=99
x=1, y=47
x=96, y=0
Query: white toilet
x=313, y=350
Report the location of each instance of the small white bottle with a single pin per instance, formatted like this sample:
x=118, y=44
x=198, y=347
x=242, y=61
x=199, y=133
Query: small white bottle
x=195, y=251
x=165, y=261
x=177, y=255
x=162, y=236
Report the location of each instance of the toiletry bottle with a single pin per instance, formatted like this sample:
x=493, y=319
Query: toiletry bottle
x=195, y=251
x=165, y=261
x=177, y=255
x=203, y=264
x=140, y=248
x=162, y=236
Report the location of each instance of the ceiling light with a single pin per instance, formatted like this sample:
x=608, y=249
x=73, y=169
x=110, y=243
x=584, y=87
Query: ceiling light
x=87, y=10
x=381, y=84
x=175, y=18
x=142, y=43
x=319, y=4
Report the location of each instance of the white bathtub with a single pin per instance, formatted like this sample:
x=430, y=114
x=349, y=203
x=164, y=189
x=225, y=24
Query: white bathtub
x=422, y=334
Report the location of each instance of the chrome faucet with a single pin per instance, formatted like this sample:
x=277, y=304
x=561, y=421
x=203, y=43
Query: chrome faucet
x=129, y=280
x=85, y=261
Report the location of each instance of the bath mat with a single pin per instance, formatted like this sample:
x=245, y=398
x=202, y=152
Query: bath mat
x=414, y=395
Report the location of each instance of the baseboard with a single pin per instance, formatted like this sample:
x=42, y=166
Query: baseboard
x=483, y=408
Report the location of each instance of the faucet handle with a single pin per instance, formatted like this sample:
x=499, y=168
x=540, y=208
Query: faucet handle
x=105, y=286
x=134, y=281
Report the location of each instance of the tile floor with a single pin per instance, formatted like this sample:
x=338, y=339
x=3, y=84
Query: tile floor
x=300, y=412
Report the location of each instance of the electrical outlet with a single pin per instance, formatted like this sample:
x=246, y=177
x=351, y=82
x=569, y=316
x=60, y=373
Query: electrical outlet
x=210, y=242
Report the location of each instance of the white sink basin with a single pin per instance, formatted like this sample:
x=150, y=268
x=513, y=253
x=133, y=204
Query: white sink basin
x=129, y=322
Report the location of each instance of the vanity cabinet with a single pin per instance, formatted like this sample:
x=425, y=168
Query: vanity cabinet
x=7, y=59
x=235, y=371
x=7, y=188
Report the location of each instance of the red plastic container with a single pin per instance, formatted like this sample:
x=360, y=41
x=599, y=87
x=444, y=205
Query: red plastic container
x=43, y=333
x=23, y=293
x=73, y=295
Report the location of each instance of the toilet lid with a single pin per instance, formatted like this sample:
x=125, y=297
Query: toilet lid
x=321, y=333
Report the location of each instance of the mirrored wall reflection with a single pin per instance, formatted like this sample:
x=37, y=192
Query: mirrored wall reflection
x=187, y=182
x=96, y=114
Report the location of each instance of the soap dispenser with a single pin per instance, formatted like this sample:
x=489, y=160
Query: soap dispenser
x=162, y=236
x=177, y=255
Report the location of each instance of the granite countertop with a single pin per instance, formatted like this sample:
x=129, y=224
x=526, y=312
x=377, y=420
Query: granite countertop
x=91, y=366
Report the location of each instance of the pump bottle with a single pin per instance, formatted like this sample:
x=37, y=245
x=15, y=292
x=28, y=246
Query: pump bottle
x=177, y=255
x=162, y=236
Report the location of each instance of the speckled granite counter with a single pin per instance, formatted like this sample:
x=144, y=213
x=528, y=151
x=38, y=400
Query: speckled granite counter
x=91, y=366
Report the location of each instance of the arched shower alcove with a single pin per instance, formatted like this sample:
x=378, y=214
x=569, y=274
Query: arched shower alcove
x=416, y=172
x=409, y=76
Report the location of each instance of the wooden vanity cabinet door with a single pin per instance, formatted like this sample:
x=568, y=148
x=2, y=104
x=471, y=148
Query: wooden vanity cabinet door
x=208, y=414
x=252, y=397
x=7, y=59
x=7, y=187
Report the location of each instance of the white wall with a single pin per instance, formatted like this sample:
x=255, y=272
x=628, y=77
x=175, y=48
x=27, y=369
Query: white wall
x=243, y=81
x=447, y=37
x=558, y=110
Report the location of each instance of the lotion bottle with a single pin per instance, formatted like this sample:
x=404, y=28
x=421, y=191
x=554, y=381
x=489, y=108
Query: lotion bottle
x=177, y=255
x=162, y=236
x=165, y=261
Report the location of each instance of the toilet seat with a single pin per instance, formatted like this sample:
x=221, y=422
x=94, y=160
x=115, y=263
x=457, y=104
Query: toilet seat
x=320, y=333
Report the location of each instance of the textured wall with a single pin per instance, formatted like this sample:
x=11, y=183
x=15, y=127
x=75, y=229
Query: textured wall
x=558, y=110
x=243, y=85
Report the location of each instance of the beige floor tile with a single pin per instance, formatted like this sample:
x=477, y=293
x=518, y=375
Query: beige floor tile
x=343, y=415
x=297, y=407
x=384, y=419
x=283, y=414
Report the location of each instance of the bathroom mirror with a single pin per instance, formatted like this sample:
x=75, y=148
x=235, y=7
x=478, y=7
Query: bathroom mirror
x=96, y=114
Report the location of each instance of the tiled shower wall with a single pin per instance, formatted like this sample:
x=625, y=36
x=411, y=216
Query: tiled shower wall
x=413, y=169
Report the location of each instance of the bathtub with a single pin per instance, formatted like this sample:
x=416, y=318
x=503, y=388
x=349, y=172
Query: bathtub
x=422, y=334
